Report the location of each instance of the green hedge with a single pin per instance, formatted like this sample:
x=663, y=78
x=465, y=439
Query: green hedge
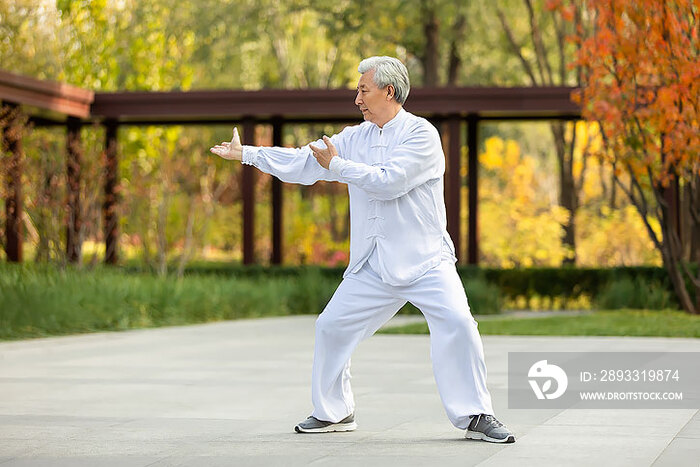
x=490, y=288
x=40, y=300
x=565, y=282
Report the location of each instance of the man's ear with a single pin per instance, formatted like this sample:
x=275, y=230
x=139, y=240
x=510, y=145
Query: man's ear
x=390, y=92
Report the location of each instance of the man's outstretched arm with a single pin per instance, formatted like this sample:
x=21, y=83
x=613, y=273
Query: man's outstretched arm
x=291, y=165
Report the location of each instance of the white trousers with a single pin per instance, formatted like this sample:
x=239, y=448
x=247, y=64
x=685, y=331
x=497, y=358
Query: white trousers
x=363, y=303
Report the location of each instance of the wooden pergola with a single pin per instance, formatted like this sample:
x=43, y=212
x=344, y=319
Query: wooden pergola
x=51, y=104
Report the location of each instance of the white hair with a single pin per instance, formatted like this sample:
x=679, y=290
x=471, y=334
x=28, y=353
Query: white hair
x=388, y=70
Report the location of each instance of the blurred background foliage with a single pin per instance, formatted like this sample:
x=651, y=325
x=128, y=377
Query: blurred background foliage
x=179, y=203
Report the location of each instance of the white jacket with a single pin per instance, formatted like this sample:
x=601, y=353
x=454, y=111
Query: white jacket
x=395, y=181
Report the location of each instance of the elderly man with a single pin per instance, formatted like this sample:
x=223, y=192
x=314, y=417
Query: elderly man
x=400, y=251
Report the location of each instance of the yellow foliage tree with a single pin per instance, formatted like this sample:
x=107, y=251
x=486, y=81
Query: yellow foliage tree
x=610, y=231
x=521, y=221
x=519, y=227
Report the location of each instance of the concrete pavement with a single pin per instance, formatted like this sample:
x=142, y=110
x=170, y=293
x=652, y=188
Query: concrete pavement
x=229, y=394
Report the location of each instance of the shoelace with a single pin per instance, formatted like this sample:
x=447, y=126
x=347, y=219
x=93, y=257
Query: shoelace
x=490, y=419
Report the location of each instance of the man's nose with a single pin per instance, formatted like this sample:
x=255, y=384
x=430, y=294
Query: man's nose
x=358, y=101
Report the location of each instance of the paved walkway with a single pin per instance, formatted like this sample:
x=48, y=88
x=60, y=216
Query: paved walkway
x=228, y=394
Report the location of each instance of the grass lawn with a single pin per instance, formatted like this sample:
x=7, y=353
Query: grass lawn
x=601, y=323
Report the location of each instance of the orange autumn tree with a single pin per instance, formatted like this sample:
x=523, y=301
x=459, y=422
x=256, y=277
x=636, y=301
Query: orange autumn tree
x=640, y=74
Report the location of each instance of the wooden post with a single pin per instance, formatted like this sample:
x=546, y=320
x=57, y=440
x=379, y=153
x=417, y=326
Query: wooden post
x=12, y=143
x=277, y=200
x=73, y=169
x=248, y=192
x=454, y=182
x=473, y=181
x=437, y=123
x=109, y=206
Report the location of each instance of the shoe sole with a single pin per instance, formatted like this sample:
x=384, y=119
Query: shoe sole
x=328, y=429
x=477, y=435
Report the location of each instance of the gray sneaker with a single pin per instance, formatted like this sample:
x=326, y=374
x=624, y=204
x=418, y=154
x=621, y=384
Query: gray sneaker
x=314, y=425
x=487, y=428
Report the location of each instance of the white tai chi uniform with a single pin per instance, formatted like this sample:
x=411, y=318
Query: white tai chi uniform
x=399, y=251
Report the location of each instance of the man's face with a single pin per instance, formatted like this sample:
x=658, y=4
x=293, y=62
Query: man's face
x=371, y=100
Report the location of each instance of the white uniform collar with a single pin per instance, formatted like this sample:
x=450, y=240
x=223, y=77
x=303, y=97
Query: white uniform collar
x=394, y=121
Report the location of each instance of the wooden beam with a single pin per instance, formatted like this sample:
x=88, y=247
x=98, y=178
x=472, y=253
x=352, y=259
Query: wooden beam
x=331, y=103
x=277, y=200
x=248, y=193
x=12, y=143
x=47, y=95
x=298, y=104
x=454, y=182
x=73, y=173
x=109, y=206
x=473, y=184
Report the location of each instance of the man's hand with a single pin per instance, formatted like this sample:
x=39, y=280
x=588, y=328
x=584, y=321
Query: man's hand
x=232, y=151
x=324, y=156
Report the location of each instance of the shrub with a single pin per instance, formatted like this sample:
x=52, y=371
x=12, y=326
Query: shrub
x=484, y=298
x=635, y=293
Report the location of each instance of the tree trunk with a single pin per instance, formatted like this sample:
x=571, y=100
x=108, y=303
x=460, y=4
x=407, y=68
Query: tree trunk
x=693, y=215
x=568, y=195
x=613, y=194
x=676, y=275
x=110, y=218
x=459, y=31
x=672, y=246
x=431, y=55
x=74, y=163
x=161, y=227
x=147, y=256
x=12, y=128
x=189, y=239
x=44, y=217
